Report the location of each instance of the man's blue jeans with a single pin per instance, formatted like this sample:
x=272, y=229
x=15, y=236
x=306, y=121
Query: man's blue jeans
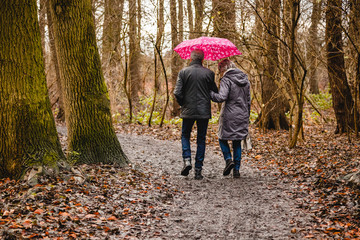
x=225, y=148
x=187, y=125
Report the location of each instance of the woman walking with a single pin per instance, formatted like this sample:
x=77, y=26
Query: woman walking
x=234, y=114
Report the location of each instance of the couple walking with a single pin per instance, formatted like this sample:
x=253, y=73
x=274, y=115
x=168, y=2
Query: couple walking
x=194, y=89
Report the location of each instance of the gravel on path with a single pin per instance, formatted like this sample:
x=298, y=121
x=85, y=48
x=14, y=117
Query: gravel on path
x=255, y=206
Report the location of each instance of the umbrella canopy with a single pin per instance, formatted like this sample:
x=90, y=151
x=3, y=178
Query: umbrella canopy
x=214, y=48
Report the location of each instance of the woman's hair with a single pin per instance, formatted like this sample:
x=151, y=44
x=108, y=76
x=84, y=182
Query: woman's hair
x=225, y=65
x=197, y=54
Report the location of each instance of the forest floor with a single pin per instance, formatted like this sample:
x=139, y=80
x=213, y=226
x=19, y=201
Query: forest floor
x=282, y=193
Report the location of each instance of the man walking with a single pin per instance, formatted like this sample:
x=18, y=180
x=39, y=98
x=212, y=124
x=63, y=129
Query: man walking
x=192, y=92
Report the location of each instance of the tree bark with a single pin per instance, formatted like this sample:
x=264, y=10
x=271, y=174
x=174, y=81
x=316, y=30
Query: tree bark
x=174, y=56
x=28, y=134
x=91, y=136
x=224, y=19
x=342, y=100
x=134, y=54
x=190, y=18
x=199, y=16
x=111, y=51
x=355, y=54
x=273, y=114
x=158, y=43
x=314, y=46
x=59, y=91
x=42, y=24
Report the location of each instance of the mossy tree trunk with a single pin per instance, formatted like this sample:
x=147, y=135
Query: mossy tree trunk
x=28, y=134
x=91, y=136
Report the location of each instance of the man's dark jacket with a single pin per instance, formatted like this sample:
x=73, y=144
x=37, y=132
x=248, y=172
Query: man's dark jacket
x=192, y=91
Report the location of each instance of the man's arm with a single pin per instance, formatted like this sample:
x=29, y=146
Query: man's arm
x=213, y=86
x=178, y=91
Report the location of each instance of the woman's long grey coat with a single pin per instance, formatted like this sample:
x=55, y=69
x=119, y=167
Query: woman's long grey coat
x=235, y=112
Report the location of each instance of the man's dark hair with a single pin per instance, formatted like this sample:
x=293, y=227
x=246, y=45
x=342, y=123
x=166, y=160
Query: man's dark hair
x=197, y=54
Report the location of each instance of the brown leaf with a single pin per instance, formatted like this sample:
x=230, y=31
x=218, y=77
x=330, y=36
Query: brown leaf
x=39, y=211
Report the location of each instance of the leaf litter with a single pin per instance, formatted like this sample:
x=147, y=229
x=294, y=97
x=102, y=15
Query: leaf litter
x=131, y=203
x=112, y=203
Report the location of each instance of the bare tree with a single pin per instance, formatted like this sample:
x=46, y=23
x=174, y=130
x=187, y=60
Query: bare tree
x=174, y=56
x=313, y=50
x=273, y=112
x=134, y=53
x=111, y=47
x=342, y=100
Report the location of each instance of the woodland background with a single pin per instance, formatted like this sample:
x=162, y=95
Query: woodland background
x=102, y=67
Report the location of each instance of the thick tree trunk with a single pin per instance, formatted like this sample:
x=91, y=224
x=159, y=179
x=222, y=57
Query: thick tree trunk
x=224, y=15
x=313, y=47
x=91, y=136
x=134, y=54
x=199, y=17
x=59, y=91
x=342, y=100
x=174, y=57
x=28, y=135
x=273, y=114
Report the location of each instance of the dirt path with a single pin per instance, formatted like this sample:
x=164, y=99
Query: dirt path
x=252, y=207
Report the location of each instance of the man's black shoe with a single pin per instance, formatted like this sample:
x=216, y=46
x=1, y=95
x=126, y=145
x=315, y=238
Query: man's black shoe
x=187, y=167
x=198, y=175
x=228, y=167
x=236, y=174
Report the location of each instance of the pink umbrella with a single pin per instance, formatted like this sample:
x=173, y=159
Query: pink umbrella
x=214, y=48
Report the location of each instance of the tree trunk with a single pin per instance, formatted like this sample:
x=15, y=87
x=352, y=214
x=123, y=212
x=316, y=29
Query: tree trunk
x=355, y=54
x=342, y=100
x=42, y=24
x=314, y=46
x=28, y=134
x=157, y=54
x=158, y=43
x=273, y=114
x=59, y=91
x=224, y=18
x=174, y=56
x=91, y=136
x=190, y=19
x=199, y=16
x=111, y=52
x=134, y=54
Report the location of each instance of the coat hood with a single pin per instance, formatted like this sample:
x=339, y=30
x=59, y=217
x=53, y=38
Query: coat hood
x=236, y=76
